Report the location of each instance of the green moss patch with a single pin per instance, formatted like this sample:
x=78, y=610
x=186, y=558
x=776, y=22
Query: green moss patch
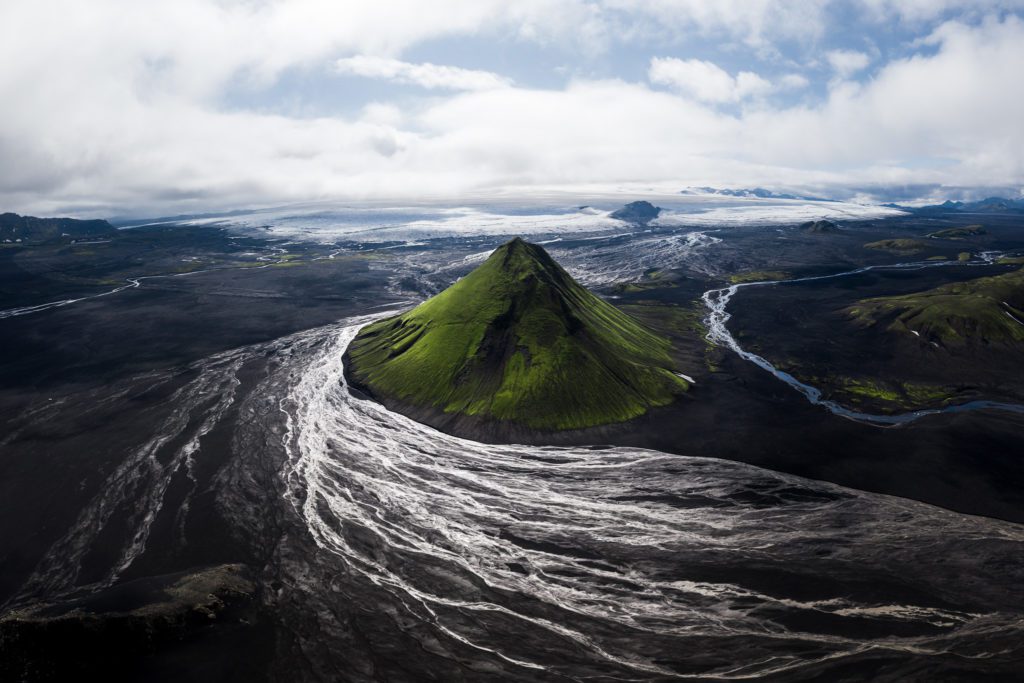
x=901, y=246
x=986, y=310
x=643, y=286
x=958, y=233
x=759, y=276
x=890, y=394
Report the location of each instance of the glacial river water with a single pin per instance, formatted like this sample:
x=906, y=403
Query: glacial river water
x=717, y=301
x=396, y=552
x=527, y=563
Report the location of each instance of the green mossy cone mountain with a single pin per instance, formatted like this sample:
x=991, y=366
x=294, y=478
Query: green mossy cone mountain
x=517, y=340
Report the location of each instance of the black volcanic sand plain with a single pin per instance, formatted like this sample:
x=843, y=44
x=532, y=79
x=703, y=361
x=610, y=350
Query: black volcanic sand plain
x=107, y=366
x=80, y=385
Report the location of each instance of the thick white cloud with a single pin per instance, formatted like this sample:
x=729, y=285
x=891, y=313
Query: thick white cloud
x=426, y=75
x=950, y=117
x=706, y=81
x=115, y=106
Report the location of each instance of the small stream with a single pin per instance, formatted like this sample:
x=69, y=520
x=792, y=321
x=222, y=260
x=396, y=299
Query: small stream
x=717, y=301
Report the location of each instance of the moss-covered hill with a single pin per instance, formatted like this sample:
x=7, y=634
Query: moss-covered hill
x=958, y=233
x=898, y=246
x=517, y=340
x=984, y=311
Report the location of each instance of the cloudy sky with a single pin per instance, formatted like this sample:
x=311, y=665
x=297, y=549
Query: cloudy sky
x=120, y=107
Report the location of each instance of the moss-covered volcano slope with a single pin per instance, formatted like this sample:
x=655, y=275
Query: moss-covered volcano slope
x=517, y=340
x=987, y=311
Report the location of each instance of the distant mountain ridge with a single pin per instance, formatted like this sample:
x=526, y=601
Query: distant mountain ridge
x=29, y=229
x=987, y=205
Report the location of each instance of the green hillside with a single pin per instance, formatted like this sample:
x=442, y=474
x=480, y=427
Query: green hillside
x=898, y=246
x=958, y=233
x=518, y=340
x=987, y=310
